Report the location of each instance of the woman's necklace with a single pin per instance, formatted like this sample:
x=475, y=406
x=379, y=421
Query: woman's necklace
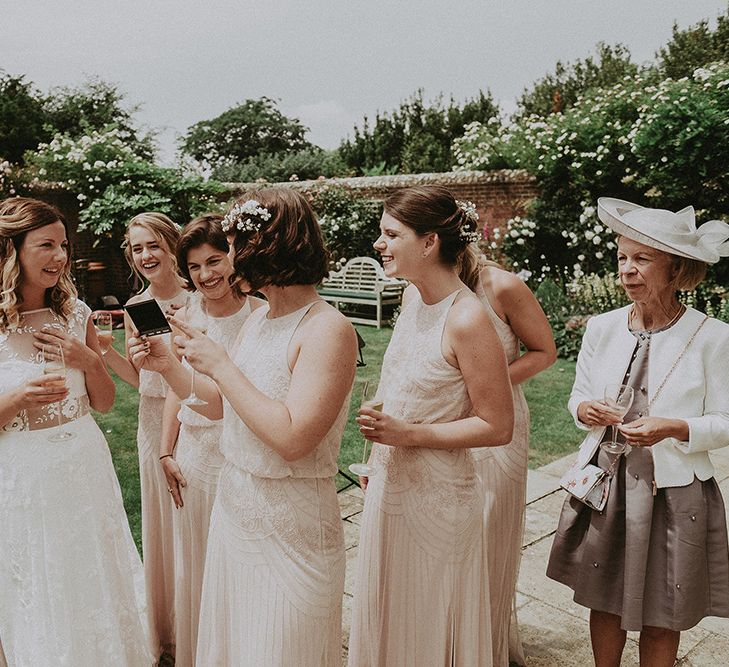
x=673, y=320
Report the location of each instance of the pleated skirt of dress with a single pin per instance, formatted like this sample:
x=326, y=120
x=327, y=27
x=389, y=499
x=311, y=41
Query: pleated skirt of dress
x=274, y=574
x=198, y=455
x=660, y=560
x=421, y=593
x=157, y=539
x=503, y=475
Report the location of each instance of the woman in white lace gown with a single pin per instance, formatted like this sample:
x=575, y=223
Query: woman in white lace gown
x=70, y=576
x=150, y=242
x=274, y=569
x=192, y=461
x=421, y=594
x=519, y=320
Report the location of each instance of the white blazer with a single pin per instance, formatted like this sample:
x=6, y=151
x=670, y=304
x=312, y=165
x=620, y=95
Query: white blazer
x=697, y=391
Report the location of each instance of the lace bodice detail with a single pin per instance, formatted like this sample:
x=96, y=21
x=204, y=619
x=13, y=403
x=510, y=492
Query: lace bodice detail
x=509, y=340
x=417, y=383
x=223, y=330
x=263, y=358
x=20, y=361
x=150, y=382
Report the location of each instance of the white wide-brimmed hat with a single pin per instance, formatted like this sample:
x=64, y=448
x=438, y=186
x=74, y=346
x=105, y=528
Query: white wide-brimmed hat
x=664, y=230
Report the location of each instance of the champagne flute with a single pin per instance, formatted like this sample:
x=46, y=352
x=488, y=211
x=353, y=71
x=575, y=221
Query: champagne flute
x=193, y=398
x=104, y=331
x=365, y=469
x=619, y=397
x=53, y=364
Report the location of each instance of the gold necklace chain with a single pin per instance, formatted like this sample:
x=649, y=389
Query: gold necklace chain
x=679, y=312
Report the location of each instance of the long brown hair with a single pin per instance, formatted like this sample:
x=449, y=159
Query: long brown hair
x=430, y=209
x=18, y=216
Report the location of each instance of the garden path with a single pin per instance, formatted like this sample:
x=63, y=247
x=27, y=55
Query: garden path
x=554, y=629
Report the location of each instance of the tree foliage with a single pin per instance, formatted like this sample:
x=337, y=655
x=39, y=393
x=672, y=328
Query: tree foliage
x=416, y=137
x=95, y=105
x=559, y=91
x=22, y=118
x=245, y=131
x=696, y=46
x=305, y=164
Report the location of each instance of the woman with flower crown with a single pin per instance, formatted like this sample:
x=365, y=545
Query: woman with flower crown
x=421, y=595
x=274, y=569
x=149, y=247
x=71, y=581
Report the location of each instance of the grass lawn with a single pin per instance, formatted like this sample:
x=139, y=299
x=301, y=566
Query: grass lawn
x=553, y=433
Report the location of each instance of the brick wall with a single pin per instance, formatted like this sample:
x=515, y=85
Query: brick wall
x=498, y=195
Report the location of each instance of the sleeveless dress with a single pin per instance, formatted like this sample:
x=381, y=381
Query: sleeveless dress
x=274, y=570
x=157, y=506
x=71, y=582
x=198, y=454
x=503, y=473
x=421, y=590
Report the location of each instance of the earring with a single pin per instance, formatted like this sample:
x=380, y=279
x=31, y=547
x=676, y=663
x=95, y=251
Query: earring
x=425, y=253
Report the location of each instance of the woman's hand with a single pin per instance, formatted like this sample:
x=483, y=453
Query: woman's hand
x=175, y=479
x=597, y=413
x=42, y=391
x=379, y=427
x=148, y=352
x=202, y=353
x=647, y=431
x=76, y=354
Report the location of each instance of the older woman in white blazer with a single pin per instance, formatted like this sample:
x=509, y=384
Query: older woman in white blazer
x=655, y=559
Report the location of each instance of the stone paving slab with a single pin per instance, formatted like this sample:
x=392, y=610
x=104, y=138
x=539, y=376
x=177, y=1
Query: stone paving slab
x=554, y=629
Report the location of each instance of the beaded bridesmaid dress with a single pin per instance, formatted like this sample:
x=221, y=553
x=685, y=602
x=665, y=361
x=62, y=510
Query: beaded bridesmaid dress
x=71, y=581
x=421, y=590
x=503, y=473
x=274, y=570
x=198, y=454
x=157, y=506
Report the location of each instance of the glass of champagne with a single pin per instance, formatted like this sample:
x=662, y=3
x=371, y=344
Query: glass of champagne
x=104, y=330
x=192, y=398
x=53, y=364
x=365, y=469
x=619, y=397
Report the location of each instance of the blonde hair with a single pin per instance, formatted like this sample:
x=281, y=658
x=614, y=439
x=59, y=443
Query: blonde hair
x=163, y=229
x=18, y=216
x=688, y=273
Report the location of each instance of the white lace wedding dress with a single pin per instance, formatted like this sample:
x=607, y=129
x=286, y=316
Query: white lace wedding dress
x=71, y=582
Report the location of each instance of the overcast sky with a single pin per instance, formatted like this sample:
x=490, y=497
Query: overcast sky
x=328, y=62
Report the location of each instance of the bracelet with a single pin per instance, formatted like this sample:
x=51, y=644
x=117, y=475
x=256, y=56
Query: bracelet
x=164, y=456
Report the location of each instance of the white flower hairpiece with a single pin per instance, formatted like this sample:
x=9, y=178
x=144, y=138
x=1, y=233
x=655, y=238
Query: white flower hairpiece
x=240, y=217
x=469, y=233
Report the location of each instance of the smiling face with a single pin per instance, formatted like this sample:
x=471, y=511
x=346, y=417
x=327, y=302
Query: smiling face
x=43, y=256
x=149, y=255
x=209, y=269
x=401, y=249
x=645, y=273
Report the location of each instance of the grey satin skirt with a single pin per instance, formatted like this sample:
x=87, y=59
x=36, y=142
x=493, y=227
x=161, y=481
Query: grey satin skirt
x=659, y=561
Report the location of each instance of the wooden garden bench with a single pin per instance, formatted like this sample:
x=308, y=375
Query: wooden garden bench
x=362, y=281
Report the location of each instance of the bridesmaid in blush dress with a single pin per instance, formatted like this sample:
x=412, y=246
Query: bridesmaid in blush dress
x=192, y=462
x=274, y=568
x=150, y=242
x=421, y=594
x=519, y=320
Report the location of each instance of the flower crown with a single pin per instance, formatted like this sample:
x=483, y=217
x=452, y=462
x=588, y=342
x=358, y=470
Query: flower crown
x=469, y=233
x=239, y=217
